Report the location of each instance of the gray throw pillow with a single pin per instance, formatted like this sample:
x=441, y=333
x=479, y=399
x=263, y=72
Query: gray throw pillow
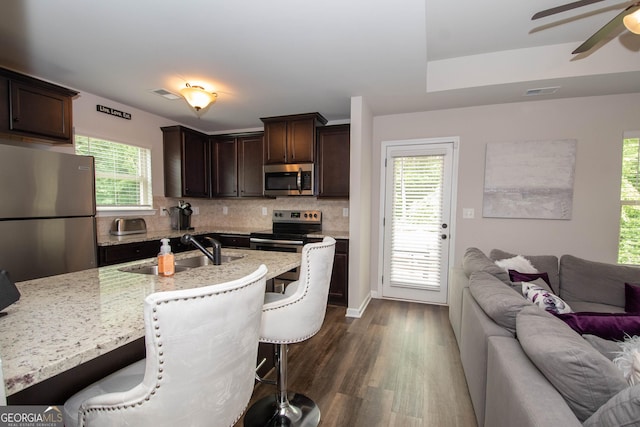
x=623, y=409
x=585, y=378
x=501, y=302
x=475, y=260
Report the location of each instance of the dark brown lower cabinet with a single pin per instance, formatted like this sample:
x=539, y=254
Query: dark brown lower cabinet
x=339, y=287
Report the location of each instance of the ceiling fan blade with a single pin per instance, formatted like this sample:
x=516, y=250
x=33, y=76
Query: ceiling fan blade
x=563, y=8
x=604, y=31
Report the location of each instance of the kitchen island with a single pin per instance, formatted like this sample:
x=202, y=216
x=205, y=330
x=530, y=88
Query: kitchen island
x=64, y=321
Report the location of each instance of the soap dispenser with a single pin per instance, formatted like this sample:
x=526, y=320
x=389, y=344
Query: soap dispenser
x=166, y=260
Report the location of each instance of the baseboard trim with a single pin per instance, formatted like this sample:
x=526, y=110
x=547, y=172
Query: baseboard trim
x=358, y=312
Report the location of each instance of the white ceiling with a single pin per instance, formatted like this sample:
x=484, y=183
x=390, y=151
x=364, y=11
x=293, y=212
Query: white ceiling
x=277, y=57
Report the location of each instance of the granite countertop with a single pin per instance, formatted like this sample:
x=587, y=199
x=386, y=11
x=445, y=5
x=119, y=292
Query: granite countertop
x=109, y=240
x=65, y=320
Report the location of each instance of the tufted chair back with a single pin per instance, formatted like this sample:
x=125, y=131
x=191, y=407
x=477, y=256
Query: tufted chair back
x=298, y=314
x=201, y=348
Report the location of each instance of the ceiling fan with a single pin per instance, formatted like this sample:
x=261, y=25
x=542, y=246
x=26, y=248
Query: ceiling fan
x=630, y=16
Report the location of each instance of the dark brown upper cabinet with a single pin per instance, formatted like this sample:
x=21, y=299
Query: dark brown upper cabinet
x=186, y=162
x=32, y=109
x=236, y=165
x=291, y=139
x=332, y=162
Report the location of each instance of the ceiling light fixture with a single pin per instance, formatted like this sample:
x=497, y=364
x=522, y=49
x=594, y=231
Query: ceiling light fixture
x=632, y=22
x=197, y=97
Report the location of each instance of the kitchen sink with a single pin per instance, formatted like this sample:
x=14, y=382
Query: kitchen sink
x=181, y=264
x=148, y=269
x=201, y=260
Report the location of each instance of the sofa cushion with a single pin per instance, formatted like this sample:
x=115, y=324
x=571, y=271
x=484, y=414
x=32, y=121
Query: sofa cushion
x=544, y=299
x=608, y=348
x=543, y=263
x=591, y=281
x=475, y=260
x=610, y=326
x=632, y=297
x=623, y=409
x=585, y=378
x=499, y=301
x=579, y=306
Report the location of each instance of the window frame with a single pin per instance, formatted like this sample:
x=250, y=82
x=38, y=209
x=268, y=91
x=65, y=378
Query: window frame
x=627, y=201
x=123, y=210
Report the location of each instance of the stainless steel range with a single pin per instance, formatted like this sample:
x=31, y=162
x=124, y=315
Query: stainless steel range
x=288, y=234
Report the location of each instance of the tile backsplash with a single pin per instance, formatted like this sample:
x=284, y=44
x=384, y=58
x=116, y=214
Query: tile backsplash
x=241, y=213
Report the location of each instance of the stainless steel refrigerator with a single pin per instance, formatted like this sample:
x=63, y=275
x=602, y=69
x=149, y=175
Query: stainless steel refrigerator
x=47, y=212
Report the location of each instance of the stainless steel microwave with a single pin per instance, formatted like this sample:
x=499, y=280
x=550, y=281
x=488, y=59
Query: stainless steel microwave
x=288, y=180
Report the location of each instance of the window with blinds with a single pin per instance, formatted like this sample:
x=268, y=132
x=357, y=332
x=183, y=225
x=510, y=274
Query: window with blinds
x=629, y=240
x=416, y=218
x=123, y=172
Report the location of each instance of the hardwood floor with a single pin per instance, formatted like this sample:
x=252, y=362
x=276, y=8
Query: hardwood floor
x=398, y=365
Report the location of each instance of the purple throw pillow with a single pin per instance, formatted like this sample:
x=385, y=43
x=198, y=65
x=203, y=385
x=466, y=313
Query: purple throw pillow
x=632, y=298
x=516, y=276
x=610, y=326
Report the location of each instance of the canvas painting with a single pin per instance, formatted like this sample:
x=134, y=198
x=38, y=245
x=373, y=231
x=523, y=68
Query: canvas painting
x=529, y=179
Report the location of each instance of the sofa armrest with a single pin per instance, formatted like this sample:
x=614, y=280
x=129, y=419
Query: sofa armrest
x=475, y=329
x=517, y=393
x=458, y=281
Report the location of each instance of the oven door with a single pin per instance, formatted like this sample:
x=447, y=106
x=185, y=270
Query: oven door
x=262, y=244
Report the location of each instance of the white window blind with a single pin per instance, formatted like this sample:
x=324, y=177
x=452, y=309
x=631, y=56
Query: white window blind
x=416, y=220
x=123, y=172
x=629, y=239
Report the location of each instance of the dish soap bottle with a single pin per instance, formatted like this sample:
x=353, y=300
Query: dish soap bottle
x=166, y=260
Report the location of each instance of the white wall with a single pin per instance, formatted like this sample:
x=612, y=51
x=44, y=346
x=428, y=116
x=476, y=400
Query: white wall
x=360, y=190
x=142, y=130
x=598, y=124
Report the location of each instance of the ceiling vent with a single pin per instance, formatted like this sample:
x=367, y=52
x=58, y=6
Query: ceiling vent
x=165, y=94
x=542, y=91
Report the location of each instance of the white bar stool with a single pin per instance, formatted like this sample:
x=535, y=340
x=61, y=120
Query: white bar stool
x=201, y=345
x=288, y=318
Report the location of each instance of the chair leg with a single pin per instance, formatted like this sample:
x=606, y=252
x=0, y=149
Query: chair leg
x=283, y=409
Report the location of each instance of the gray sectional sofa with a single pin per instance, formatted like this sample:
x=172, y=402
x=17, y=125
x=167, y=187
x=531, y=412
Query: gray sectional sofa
x=511, y=348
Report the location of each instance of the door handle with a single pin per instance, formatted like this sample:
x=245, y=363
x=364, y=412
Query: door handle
x=299, y=180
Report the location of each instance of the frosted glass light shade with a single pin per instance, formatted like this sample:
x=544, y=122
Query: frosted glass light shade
x=197, y=97
x=632, y=22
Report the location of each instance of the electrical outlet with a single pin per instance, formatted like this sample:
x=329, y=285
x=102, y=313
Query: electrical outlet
x=163, y=211
x=345, y=212
x=225, y=210
x=468, y=213
x=196, y=210
x=264, y=211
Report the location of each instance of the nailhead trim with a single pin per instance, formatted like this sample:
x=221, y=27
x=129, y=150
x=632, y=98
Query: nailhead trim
x=308, y=262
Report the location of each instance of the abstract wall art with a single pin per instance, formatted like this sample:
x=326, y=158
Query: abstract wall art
x=529, y=179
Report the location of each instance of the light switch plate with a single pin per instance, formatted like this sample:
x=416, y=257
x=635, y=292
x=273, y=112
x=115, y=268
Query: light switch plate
x=468, y=213
x=345, y=212
x=264, y=211
x=225, y=210
x=196, y=210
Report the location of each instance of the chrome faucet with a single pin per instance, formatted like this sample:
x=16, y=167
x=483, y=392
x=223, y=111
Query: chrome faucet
x=215, y=257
